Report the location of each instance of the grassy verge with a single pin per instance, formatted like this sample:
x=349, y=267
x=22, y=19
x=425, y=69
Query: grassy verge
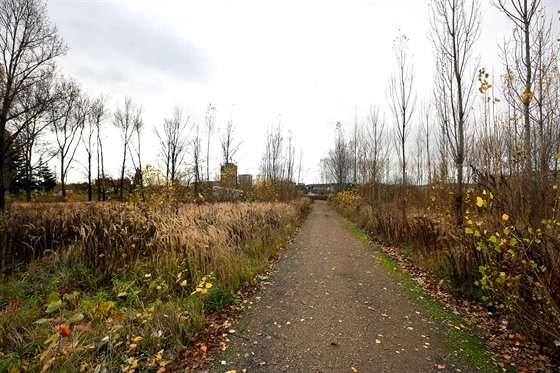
x=455, y=339
x=123, y=287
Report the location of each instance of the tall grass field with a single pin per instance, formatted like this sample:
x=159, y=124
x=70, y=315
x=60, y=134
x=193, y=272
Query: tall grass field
x=105, y=287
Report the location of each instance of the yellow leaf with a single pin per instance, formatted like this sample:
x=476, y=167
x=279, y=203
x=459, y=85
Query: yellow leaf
x=377, y=341
x=208, y=285
x=505, y=217
x=479, y=201
x=204, y=291
x=231, y=371
x=441, y=366
x=354, y=370
x=183, y=283
x=179, y=275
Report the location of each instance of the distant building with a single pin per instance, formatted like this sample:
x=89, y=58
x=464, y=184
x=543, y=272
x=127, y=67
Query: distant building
x=245, y=181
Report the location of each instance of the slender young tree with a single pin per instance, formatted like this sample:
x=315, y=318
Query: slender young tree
x=454, y=29
x=210, y=122
x=375, y=149
x=126, y=119
x=229, y=143
x=29, y=46
x=137, y=158
x=272, y=164
x=98, y=114
x=523, y=14
x=196, y=161
x=402, y=100
x=426, y=133
x=339, y=160
x=68, y=117
x=173, y=143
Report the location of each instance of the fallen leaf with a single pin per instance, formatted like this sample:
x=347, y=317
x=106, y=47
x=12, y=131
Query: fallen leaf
x=441, y=366
x=53, y=306
x=64, y=330
x=75, y=318
x=377, y=341
x=354, y=370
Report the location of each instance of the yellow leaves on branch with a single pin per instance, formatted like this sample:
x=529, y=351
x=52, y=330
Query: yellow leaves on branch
x=527, y=97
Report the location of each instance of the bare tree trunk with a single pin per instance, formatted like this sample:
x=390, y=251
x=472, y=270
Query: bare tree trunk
x=403, y=103
x=455, y=27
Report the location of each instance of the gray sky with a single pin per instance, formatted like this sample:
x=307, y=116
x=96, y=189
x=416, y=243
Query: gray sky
x=308, y=63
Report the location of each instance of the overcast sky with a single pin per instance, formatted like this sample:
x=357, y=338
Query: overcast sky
x=309, y=64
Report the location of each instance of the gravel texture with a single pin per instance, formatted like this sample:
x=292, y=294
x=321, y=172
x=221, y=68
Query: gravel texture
x=330, y=307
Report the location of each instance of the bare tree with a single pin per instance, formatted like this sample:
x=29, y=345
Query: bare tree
x=35, y=122
x=137, y=161
x=173, y=143
x=230, y=146
x=426, y=134
x=530, y=82
x=402, y=101
x=29, y=46
x=126, y=119
x=196, y=161
x=68, y=117
x=523, y=16
x=339, y=160
x=272, y=164
x=290, y=157
x=354, y=147
x=92, y=128
x=454, y=29
x=210, y=122
x=98, y=114
x=374, y=150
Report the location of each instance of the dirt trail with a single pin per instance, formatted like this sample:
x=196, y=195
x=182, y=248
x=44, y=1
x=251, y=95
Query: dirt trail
x=330, y=308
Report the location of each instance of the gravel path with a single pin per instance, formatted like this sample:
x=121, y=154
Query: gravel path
x=332, y=308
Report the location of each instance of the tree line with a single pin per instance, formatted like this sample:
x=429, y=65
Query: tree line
x=500, y=132
x=45, y=114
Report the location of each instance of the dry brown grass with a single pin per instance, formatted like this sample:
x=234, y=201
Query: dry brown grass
x=111, y=237
x=127, y=274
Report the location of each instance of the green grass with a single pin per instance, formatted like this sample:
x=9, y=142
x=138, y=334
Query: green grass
x=459, y=342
